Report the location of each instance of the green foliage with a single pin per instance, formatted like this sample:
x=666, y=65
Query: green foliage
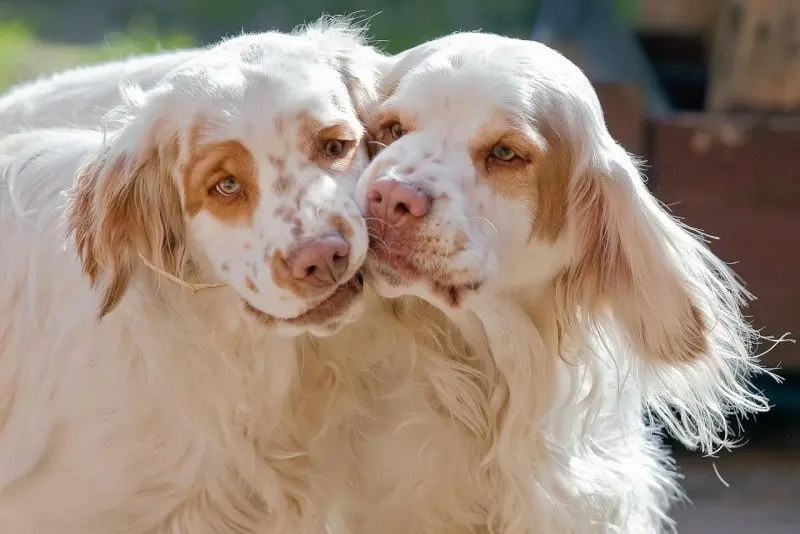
x=152, y=25
x=23, y=56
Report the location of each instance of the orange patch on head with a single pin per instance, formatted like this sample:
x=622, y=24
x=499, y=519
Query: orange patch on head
x=125, y=207
x=540, y=175
x=207, y=165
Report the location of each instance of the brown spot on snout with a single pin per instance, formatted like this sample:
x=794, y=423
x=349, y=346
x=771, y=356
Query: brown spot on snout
x=283, y=184
x=285, y=213
x=459, y=244
x=282, y=276
x=341, y=224
x=248, y=282
x=298, y=198
x=207, y=165
x=278, y=163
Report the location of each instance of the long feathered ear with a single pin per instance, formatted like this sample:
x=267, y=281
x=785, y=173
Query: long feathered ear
x=630, y=262
x=659, y=295
x=124, y=204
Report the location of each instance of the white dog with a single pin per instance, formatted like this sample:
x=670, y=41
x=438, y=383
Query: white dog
x=131, y=404
x=502, y=196
x=507, y=204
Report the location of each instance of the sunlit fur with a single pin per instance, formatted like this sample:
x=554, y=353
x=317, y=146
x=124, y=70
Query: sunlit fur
x=129, y=403
x=83, y=95
x=605, y=317
x=529, y=417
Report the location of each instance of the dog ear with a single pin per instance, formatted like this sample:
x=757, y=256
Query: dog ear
x=124, y=204
x=655, y=292
x=635, y=261
x=362, y=68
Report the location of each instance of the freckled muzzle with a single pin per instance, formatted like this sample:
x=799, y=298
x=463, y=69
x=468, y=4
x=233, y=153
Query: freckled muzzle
x=409, y=243
x=322, y=270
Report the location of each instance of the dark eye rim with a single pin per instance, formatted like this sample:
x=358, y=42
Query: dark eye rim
x=345, y=145
x=216, y=188
x=389, y=127
x=514, y=154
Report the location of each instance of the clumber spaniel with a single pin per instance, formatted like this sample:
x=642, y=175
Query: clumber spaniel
x=132, y=404
x=572, y=306
x=500, y=195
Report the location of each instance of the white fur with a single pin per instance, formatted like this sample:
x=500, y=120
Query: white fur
x=175, y=412
x=480, y=419
x=590, y=331
x=80, y=97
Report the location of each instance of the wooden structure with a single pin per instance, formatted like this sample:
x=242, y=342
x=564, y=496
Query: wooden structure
x=755, y=62
x=738, y=179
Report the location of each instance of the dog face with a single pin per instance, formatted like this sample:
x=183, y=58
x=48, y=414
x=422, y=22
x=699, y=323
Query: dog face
x=242, y=164
x=476, y=169
x=499, y=175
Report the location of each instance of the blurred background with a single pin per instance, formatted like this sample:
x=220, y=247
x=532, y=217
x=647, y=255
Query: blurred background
x=707, y=91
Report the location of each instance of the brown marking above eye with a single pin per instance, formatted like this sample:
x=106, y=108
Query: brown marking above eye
x=209, y=177
x=330, y=145
x=395, y=130
x=538, y=174
x=392, y=124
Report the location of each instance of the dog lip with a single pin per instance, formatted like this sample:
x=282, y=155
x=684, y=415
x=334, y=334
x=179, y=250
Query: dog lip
x=453, y=293
x=324, y=312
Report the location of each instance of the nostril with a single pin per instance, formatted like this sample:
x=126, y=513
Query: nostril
x=375, y=196
x=401, y=208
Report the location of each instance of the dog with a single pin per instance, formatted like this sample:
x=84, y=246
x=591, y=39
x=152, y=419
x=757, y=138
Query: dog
x=163, y=281
x=520, y=406
x=499, y=196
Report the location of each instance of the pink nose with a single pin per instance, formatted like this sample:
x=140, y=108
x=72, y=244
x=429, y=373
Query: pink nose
x=320, y=262
x=396, y=202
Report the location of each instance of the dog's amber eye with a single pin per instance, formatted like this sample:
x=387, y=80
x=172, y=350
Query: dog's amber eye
x=334, y=148
x=395, y=130
x=228, y=187
x=502, y=153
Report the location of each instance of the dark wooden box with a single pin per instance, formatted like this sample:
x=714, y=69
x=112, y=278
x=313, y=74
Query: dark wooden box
x=736, y=178
x=739, y=179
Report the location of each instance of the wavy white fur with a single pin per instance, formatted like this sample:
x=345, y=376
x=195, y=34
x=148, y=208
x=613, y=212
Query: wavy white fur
x=81, y=97
x=518, y=209
x=536, y=422
x=130, y=404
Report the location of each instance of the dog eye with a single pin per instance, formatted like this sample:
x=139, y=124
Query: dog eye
x=228, y=187
x=334, y=148
x=503, y=153
x=395, y=130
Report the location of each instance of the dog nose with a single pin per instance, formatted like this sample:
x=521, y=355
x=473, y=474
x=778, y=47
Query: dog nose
x=320, y=262
x=396, y=202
